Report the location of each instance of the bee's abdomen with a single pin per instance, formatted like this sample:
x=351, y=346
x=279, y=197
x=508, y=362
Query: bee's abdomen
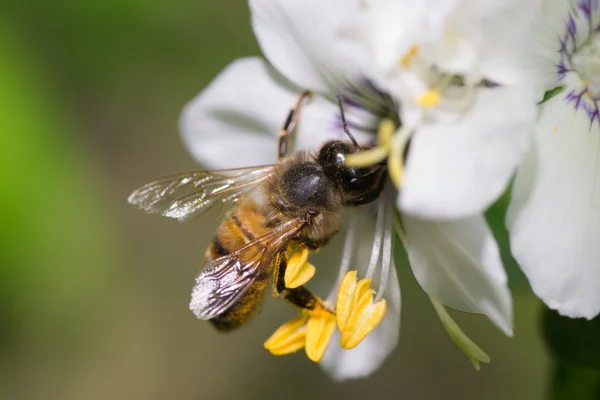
x=245, y=308
x=241, y=225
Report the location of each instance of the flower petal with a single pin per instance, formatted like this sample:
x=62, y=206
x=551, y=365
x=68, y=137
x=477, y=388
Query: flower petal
x=544, y=62
x=301, y=38
x=465, y=37
x=459, y=264
x=501, y=53
x=361, y=361
x=457, y=169
x=234, y=122
x=554, y=215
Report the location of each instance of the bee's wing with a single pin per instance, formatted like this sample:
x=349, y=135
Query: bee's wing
x=224, y=280
x=187, y=195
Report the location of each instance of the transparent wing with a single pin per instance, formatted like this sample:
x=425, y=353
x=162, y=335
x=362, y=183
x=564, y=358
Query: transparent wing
x=187, y=195
x=226, y=279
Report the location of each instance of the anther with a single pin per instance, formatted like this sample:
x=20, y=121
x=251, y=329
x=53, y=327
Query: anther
x=408, y=57
x=288, y=338
x=430, y=99
x=298, y=270
x=319, y=330
x=357, y=314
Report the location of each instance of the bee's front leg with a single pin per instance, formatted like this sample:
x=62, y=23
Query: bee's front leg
x=285, y=135
x=300, y=296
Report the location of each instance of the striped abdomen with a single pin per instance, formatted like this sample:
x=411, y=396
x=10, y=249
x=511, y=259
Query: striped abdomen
x=241, y=225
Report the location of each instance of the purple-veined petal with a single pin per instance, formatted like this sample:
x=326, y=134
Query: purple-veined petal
x=554, y=215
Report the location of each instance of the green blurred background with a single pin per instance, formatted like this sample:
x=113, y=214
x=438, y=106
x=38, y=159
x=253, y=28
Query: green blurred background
x=94, y=294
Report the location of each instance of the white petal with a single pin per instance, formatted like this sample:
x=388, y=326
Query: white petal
x=392, y=27
x=466, y=37
x=365, y=358
x=301, y=38
x=500, y=51
x=554, y=216
x=459, y=264
x=234, y=122
x=457, y=169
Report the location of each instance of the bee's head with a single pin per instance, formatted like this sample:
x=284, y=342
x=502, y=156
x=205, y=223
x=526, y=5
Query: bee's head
x=354, y=181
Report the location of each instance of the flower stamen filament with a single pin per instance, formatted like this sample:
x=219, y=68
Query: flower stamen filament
x=391, y=145
x=396, y=158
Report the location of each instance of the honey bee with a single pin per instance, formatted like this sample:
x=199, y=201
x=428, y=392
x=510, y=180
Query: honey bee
x=294, y=204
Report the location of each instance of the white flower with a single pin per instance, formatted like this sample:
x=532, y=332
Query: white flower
x=456, y=69
x=235, y=120
x=554, y=217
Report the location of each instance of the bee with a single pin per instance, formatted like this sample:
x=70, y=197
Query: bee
x=293, y=204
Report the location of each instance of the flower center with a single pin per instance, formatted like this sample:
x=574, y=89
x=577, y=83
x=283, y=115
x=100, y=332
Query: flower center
x=587, y=63
x=579, y=64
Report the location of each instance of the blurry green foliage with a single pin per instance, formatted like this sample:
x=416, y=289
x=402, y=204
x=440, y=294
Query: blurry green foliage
x=58, y=248
x=573, y=340
x=573, y=382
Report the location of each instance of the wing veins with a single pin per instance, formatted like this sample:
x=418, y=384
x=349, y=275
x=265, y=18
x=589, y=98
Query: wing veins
x=187, y=195
x=228, y=278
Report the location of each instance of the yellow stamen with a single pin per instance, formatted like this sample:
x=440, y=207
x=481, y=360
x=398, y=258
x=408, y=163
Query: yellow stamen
x=298, y=270
x=407, y=59
x=288, y=338
x=430, y=99
x=319, y=331
x=356, y=313
x=385, y=132
x=396, y=159
x=365, y=317
x=345, y=299
x=367, y=157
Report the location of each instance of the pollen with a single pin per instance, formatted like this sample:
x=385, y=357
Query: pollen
x=288, y=338
x=408, y=57
x=298, y=270
x=357, y=315
x=555, y=127
x=431, y=98
x=319, y=330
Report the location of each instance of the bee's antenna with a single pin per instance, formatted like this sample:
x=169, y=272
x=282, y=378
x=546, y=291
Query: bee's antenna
x=344, y=123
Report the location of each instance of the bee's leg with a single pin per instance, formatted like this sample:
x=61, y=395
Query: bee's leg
x=300, y=296
x=344, y=123
x=285, y=134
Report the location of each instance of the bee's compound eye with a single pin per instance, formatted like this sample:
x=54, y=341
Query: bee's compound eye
x=305, y=185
